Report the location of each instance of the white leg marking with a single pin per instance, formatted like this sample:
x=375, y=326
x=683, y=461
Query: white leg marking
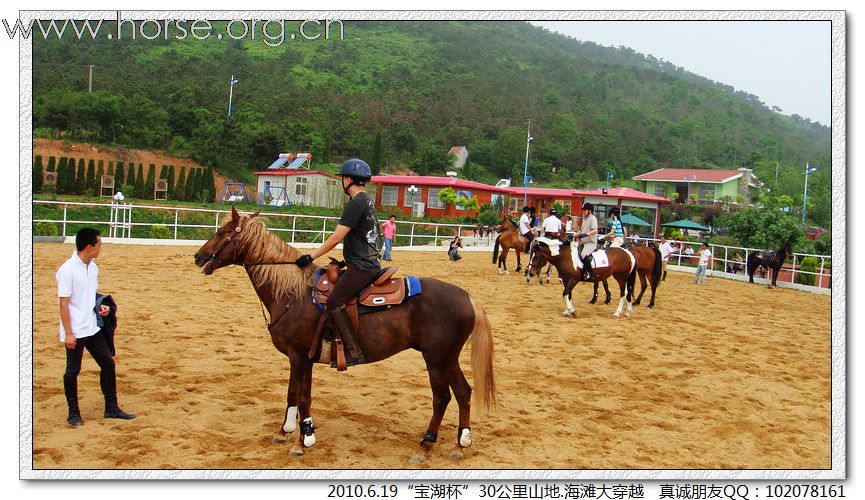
x=466, y=438
x=619, y=309
x=628, y=311
x=290, y=422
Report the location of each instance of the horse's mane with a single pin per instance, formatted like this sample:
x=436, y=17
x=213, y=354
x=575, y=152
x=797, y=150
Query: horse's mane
x=262, y=246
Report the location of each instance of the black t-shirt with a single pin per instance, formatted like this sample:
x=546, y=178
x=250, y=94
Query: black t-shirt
x=360, y=249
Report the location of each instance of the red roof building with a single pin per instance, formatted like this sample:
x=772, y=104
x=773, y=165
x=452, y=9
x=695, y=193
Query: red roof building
x=700, y=185
x=418, y=195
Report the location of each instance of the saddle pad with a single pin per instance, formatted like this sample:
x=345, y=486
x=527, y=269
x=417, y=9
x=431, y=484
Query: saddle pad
x=599, y=259
x=553, y=244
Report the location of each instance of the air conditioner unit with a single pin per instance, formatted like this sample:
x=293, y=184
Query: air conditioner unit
x=418, y=209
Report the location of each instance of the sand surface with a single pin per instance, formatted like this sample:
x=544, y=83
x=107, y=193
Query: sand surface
x=724, y=376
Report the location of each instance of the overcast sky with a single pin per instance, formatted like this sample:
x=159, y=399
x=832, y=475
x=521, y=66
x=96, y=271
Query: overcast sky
x=784, y=63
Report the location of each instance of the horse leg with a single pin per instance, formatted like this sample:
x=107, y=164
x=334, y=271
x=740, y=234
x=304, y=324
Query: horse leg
x=594, y=293
x=607, y=291
x=306, y=436
x=622, y=287
x=569, y=305
x=504, y=260
x=549, y=272
x=642, y=287
x=438, y=378
x=519, y=262
x=463, y=394
x=289, y=422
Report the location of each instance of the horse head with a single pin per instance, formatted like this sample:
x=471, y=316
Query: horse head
x=788, y=250
x=223, y=248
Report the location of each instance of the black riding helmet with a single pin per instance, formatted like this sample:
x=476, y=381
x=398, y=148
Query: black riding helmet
x=357, y=171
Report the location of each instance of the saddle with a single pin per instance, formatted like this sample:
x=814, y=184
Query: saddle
x=383, y=292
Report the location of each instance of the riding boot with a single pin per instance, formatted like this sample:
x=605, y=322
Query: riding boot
x=108, y=382
x=664, y=277
x=343, y=322
x=70, y=387
x=587, y=267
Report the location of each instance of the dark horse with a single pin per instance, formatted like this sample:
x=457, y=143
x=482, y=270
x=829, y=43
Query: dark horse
x=649, y=269
x=620, y=267
x=508, y=239
x=769, y=261
x=285, y=291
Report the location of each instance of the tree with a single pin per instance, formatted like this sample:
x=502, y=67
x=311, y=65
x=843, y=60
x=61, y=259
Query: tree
x=37, y=173
x=431, y=158
x=149, y=182
x=130, y=179
x=761, y=228
x=119, y=176
x=448, y=195
x=171, y=187
x=80, y=177
x=62, y=173
x=140, y=191
x=90, y=179
x=376, y=159
x=100, y=171
x=180, y=189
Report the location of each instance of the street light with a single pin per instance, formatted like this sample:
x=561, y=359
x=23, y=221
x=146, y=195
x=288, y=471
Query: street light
x=808, y=171
x=231, y=84
x=609, y=178
x=529, y=140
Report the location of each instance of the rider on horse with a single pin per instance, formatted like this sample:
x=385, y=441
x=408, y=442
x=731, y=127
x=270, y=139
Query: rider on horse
x=617, y=233
x=526, y=228
x=358, y=227
x=552, y=226
x=588, y=239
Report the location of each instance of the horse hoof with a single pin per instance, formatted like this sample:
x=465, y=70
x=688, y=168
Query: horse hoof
x=296, y=452
x=616, y=316
x=278, y=439
x=456, y=456
x=566, y=314
x=417, y=459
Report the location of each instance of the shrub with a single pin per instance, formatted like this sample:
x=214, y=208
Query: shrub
x=160, y=233
x=808, y=264
x=45, y=229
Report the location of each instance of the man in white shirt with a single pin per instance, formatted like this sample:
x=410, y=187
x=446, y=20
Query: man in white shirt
x=552, y=225
x=77, y=281
x=588, y=238
x=666, y=249
x=705, y=262
x=526, y=228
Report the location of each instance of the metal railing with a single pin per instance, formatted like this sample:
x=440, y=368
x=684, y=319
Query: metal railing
x=128, y=221
x=730, y=264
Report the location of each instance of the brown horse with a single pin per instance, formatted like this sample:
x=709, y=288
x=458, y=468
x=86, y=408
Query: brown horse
x=508, y=239
x=285, y=291
x=620, y=267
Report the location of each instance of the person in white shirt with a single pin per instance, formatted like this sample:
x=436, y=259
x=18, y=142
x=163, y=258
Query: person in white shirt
x=705, y=261
x=76, y=287
x=526, y=228
x=588, y=238
x=666, y=248
x=552, y=225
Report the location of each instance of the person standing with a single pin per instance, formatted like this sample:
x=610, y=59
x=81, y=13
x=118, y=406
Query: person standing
x=77, y=282
x=617, y=233
x=388, y=229
x=666, y=250
x=588, y=238
x=358, y=226
x=705, y=261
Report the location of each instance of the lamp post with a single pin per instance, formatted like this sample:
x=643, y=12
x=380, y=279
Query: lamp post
x=231, y=84
x=808, y=171
x=609, y=178
x=529, y=140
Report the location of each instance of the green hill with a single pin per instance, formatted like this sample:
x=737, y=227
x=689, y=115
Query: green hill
x=401, y=93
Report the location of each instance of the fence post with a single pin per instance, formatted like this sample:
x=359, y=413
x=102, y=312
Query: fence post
x=176, y=214
x=130, y=222
x=726, y=258
x=793, y=274
x=64, y=220
x=293, y=226
x=216, y=222
x=411, y=237
x=820, y=279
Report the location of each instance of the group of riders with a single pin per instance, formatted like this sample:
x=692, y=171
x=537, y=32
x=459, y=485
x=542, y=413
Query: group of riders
x=554, y=228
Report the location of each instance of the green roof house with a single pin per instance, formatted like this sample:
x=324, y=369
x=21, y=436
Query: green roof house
x=710, y=186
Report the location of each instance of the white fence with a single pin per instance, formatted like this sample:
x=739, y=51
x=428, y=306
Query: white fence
x=121, y=220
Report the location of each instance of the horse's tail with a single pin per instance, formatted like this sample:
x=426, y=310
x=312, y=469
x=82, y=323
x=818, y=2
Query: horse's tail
x=496, y=249
x=482, y=359
x=656, y=270
x=632, y=280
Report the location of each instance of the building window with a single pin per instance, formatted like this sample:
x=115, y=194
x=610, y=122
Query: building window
x=706, y=194
x=411, y=196
x=566, y=208
x=433, y=200
x=388, y=195
x=660, y=190
x=300, y=186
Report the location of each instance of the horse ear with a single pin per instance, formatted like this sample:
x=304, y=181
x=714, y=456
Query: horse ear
x=234, y=215
x=254, y=215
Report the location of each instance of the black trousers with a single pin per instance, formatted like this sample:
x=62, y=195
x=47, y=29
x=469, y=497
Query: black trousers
x=350, y=284
x=97, y=345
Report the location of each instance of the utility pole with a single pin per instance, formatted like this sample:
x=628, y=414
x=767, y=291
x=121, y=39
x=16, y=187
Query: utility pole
x=526, y=170
x=808, y=171
x=231, y=85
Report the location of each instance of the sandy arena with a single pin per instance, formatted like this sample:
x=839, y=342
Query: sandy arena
x=724, y=376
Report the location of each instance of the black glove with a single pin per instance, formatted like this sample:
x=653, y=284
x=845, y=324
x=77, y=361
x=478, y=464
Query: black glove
x=582, y=235
x=304, y=260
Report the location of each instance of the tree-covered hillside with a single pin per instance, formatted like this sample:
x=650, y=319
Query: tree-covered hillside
x=401, y=93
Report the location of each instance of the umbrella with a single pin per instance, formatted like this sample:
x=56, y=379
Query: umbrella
x=686, y=224
x=633, y=220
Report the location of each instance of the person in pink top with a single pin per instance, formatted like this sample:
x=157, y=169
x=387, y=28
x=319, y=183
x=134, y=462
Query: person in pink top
x=388, y=229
